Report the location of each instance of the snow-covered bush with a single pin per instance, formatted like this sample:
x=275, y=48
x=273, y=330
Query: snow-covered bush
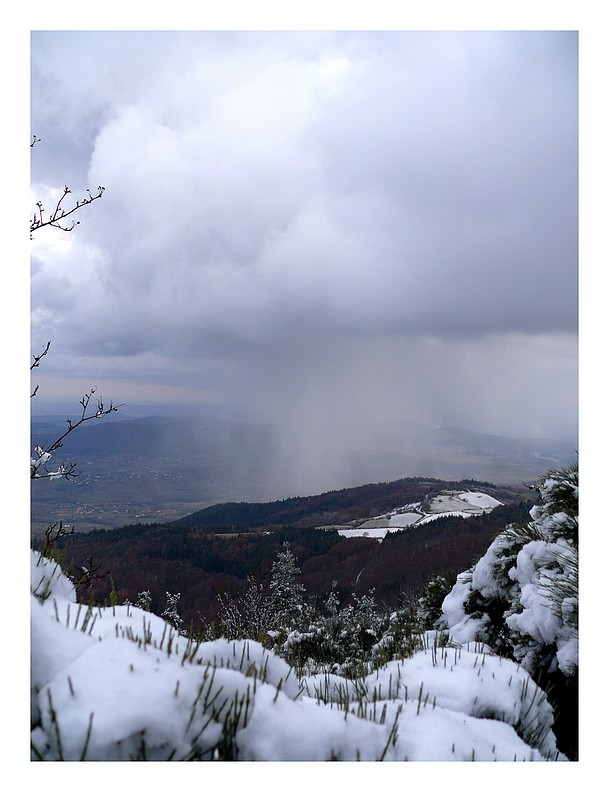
x=354, y=639
x=170, y=614
x=521, y=598
x=350, y=640
x=119, y=683
x=144, y=600
x=250, y=615
x=429, y=604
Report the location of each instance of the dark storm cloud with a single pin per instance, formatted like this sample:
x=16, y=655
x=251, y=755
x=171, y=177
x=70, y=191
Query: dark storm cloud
x=285, y=213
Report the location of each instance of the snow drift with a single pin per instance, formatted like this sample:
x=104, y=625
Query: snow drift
x=120, y=683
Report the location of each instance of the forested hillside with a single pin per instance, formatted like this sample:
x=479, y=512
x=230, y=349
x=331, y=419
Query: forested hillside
x=337, y=506
x=201, y=565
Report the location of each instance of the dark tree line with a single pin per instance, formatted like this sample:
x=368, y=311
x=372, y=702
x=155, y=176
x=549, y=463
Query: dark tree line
x=336, y=506
x=200, y=566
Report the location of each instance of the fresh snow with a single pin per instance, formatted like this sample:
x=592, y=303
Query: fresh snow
x=480, y=500
x=404, y=520
x=530, y=579
x=118, y=683
x=369, y=532
x=447, y=504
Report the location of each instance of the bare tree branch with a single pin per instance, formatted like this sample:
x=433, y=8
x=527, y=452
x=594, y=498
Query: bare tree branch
x=53, y=533
x=36, y=363
x=87, y=574
x=59, y=214
x=43, y=455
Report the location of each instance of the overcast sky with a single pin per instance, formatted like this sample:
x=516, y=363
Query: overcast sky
x=340, y=232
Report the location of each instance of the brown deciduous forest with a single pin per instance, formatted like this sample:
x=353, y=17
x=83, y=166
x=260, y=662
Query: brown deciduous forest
x=200, y=565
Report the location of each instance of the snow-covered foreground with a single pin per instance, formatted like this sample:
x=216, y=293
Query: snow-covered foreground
x=119, y=684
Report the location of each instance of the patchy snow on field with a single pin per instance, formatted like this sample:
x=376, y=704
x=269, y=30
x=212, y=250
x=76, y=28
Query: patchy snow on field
x=470, y=502
x=404, y=520
x=431, y=517
x=481, y=500
x=369, y=533
x=446, y=504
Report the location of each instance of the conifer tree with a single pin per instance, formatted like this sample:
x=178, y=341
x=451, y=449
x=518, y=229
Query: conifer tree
x=288, y=595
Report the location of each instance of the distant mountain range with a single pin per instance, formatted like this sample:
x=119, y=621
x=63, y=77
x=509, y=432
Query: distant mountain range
x=166, y=467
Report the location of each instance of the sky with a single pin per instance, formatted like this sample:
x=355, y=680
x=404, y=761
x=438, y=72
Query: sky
x=337, y=232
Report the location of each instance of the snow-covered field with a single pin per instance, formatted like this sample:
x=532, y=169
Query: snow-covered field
x=118, y=683
x=449, y=504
